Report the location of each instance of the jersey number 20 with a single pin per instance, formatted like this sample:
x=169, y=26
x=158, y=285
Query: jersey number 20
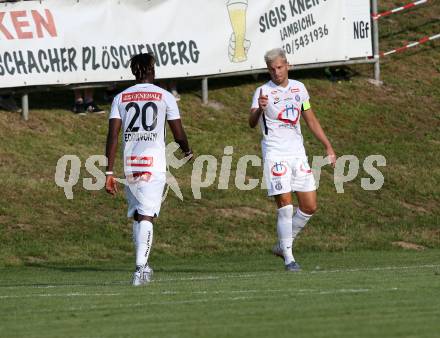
x=143, y=112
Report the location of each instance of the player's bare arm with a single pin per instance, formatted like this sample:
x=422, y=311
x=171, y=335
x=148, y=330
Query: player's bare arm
x=180, y=136
x=255, y=114
x=315, y=127
x=110, y=150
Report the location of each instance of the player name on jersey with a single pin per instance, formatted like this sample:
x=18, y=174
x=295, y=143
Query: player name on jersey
x=140, y=136
x=141, y=96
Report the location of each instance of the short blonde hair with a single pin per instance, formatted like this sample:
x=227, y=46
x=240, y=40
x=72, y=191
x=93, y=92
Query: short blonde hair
x=274, y=54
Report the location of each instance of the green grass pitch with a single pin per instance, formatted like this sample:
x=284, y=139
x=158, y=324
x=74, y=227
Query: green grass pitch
x=362, y=294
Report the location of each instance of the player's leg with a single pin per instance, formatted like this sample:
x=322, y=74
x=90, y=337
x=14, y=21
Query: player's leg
x=303, y=183
x=144, y=238
x=148, y=192
x=278, y=174
x=284, y=225
x=307, y=205
x=130, y=193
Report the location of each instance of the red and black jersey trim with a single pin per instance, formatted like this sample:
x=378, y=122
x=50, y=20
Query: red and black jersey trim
x=266, y=130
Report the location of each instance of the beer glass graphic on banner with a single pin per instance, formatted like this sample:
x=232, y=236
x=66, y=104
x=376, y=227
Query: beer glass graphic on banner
x=237, y=15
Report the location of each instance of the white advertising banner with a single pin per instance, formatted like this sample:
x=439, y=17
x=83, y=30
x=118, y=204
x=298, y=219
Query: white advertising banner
x=69, y=41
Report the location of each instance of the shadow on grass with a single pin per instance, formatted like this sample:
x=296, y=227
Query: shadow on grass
x=79, y=268
x=232, y=263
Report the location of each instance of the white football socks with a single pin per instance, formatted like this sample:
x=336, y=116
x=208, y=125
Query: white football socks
x=143, y=241
x=284, y=230
x=298, y=222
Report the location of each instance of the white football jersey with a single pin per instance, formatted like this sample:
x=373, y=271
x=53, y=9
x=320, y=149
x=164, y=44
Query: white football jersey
x=280, y=122
x=143, y=109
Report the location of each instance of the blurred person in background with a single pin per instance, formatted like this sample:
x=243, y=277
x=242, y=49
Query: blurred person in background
x=84, y=102
x=7, y=102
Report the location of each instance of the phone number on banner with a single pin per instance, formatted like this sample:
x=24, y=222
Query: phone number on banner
x=306, y=39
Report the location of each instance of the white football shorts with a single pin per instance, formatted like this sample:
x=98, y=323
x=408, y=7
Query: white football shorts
x=286, y=175
x=144, y=193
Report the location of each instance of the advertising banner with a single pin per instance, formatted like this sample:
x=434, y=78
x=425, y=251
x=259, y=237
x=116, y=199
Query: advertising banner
x=57, y=42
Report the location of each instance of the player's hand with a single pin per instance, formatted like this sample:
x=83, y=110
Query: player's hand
x=332, y=156
x=189, y=156
x=263, y=100
x=111, y=186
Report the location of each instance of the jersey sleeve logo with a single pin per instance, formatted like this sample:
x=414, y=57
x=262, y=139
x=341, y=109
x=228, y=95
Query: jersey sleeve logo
x=141, y=96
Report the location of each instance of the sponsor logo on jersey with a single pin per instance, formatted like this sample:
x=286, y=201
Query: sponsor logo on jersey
x=273, y=92
x=297, y=98
x=139, y=161
x=289, y=114
x=139, y=176
x=141, y=96
x=294, y=90
x=279, y=169
x=278, y=186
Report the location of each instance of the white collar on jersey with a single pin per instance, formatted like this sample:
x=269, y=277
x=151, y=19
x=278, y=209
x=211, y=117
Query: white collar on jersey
x=280, y=88
x=143, y=84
